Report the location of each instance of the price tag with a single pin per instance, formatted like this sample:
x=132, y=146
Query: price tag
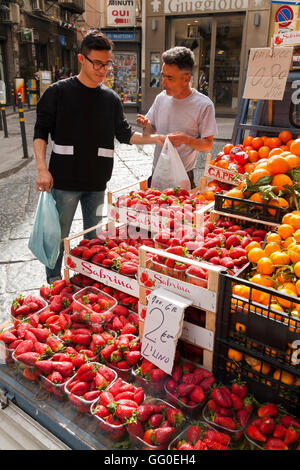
x=163, y=327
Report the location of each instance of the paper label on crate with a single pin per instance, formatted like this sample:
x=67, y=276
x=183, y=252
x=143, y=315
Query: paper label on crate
x=2, y=353
x=220, y=174
x=106, y=276
x=163, y=327
x=197, y=335
x=200, y=296
x=137, y=218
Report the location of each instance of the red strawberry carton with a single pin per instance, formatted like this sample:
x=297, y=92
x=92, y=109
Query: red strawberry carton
x=116, y=406
x=84, y=388
x=272, y=428
x=54, y=385
x=23, y=307
x=150, y=377
x=8, y=343
x=27, y=364
x=93, y=306
x=129, y=355
x=169, y=267
x=188, y=387
x=155, y=424
x=201, y=436
x=197, y=276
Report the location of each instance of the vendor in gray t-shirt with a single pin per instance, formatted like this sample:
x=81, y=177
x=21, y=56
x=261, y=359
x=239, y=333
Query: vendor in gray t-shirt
x=181, y=112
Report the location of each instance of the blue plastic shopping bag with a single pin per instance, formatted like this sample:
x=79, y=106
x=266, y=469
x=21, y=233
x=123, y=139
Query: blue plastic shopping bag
x=45, y=238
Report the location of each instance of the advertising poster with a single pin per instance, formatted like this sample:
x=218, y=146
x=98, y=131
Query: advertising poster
x=20, y=88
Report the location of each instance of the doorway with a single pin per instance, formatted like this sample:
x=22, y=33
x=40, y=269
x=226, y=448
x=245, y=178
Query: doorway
x=217, y=45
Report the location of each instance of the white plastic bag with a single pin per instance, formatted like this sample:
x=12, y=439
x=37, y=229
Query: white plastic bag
x=169, y=171
x=45, y=237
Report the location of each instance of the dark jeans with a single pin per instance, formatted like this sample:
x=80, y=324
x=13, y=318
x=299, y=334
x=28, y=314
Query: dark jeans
x=66, y=204
x=189, y=173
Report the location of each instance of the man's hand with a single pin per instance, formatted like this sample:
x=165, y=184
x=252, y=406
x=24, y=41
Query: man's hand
x=145, y=123
x=179, y=138
x=44, y=181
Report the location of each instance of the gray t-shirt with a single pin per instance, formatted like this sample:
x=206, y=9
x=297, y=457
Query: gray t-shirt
x=194, y=115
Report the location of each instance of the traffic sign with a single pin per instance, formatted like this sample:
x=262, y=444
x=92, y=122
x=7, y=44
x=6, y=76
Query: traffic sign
x=284, y=16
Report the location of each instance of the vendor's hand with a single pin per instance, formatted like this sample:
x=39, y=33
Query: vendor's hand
x=44, y=181
x=178, y=138
x=143, y=122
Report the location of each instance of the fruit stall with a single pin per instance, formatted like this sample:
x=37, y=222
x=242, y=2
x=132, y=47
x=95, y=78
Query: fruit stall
x=177, y=327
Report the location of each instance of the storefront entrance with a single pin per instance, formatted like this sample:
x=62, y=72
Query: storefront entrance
x=217, y=44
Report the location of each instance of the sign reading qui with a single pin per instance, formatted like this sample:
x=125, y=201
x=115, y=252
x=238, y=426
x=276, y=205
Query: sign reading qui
x=163, y=327
x=121, y=13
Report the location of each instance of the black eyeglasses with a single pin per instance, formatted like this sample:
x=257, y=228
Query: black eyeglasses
x=97, y=65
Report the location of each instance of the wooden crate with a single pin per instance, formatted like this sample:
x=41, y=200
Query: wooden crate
x=204, y=298
x=221, y=174
x=145, y=220
x=98, y=273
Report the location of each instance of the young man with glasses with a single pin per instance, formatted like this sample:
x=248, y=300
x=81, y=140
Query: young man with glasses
x=83, y=118
x=187, y=116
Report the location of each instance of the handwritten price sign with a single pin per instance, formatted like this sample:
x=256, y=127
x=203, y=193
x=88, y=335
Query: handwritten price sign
x=267, y=73
x=163, y=327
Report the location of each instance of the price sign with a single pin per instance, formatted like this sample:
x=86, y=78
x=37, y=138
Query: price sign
x=163, y=327
x=267, y=73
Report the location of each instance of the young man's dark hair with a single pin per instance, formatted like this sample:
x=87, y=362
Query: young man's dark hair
x=95, y=40
x=181, y=56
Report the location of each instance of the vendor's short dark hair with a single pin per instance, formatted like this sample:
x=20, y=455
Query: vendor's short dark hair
x=95, y=40
x=181, y=56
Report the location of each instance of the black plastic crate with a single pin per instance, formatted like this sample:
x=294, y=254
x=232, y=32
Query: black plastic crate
x=263, y=335
x=247, y=208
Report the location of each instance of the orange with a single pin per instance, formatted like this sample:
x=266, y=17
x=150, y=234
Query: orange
x=273, y=142
x=295, y=221
x=297, y=285
x=263, y=163
x=241, y=291
x=297, y=236
x=253, y=156
x=257, y=142
x=280, y=258
x=288, y=242
x=276, y=151
x=294, y=253
x=255, y=254
x=265, y=265
x=284, y=377
x=264, y=151
x=293, y=160
x=273, y=237
x=277, y=164
x=284, y=147
x=285, y=136
x=285, y=230
x=247, y=140
x=295, y=147
x=285, y=302
x=256, y=197
x=262, y=280
x=235, y=192
x=289, y=143
x=297, y=269
x=280, y=180
x=264, y=369
x=257, y=174
x=227, y=148
x=281, y=202
x=288, y=285
x=249, y=167
x=271, y=247
x=235, y=355
x=286, y=219
x=252, y=245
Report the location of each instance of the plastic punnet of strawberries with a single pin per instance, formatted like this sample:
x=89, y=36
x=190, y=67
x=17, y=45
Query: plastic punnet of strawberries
x=272, y=428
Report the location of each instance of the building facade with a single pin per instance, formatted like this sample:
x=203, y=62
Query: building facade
x=38, y=36
x=220, y=33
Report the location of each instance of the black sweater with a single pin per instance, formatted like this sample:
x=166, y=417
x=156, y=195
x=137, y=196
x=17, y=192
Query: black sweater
x=82, y=123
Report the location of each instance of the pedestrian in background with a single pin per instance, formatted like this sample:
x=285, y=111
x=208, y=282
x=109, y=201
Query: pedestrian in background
x=83, y=117
x=181, y=112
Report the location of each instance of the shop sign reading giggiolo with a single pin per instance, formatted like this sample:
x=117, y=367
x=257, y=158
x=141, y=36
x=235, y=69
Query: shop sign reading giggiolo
x=190, y=6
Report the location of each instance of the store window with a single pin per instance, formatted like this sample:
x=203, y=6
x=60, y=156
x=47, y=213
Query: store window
x=125, y=79
x=154, y=69
x=1, y=62
x=227, y=62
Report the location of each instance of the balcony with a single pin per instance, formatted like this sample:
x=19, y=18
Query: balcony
x=76, y=6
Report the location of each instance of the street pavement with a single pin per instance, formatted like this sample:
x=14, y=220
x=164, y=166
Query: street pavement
x=20, y=271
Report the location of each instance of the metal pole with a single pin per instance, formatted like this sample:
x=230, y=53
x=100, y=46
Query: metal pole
x=140, y=100
x=3, y=114
x=13, y=97
x=1, y=125
x=27, y=95
x=22, y=126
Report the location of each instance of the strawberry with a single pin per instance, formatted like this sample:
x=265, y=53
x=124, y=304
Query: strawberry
x=267, y=425
x=289, y=421
x=255, y=433
x=157, y=375
x=46, y=366
x=197, y=395
x=107, y=351
x=129, y=329
x=275, y=444
x=175, y=417
x=237, y=401
x=55, y=377
x=220, y=396
x=185, y=446
x=86, y=372
x=136, y=428
x=132, y=357
x=101, y=382
x=107, y=373
x=291, y=436
x=7, y=337
x=216, y=436
x=79, y=389
x=28, y=358
x=139, y=395
x=242, y=417
x=176, y=373
x=163, y=435
x=226, y=422
x=91, y=395
x=269, y=409
x=65, y=368
x=40, y=334
x=155, y=420
x=279, y=431
x=213, y=445
x=193, y=433
x=25, y=346
x=144, y=412
x=199, y=445
x=239, y=388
